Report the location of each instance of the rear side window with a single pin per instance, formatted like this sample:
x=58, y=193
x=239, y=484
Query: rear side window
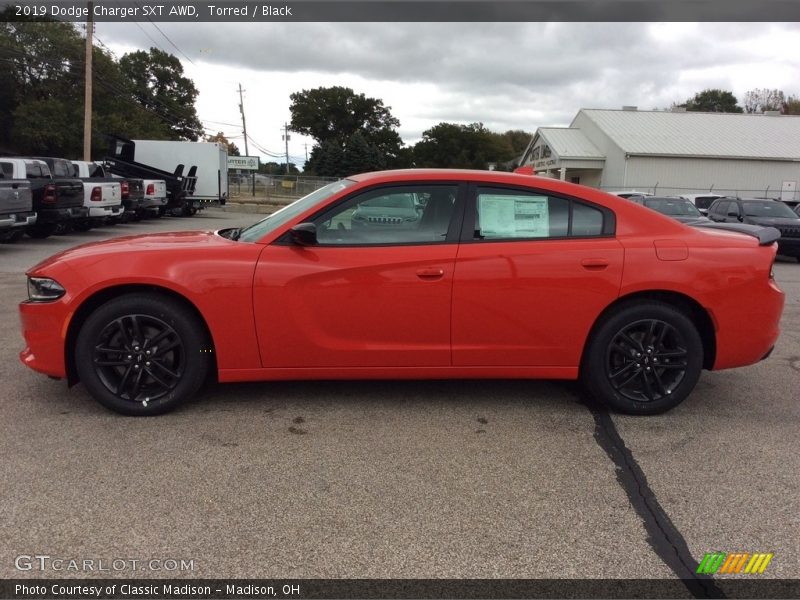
x=511, y=214
x=7, y=170
x=34, y=170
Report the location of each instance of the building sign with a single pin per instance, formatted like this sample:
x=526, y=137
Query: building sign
x=247, y=163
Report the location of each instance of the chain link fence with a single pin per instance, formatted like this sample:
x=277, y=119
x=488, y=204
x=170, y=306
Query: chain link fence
x=770, y=191
x=273, y=188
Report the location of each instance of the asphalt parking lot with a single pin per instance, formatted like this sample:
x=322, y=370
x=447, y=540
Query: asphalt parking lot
x=494, y=479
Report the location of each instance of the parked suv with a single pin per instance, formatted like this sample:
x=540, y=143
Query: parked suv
x=754, y=211
x=679, y=209
x=702, y=201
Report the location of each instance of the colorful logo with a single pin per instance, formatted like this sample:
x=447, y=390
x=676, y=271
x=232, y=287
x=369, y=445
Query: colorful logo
x=734, y=562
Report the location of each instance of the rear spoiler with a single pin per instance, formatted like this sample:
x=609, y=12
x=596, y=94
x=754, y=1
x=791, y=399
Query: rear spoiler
x=764, y=235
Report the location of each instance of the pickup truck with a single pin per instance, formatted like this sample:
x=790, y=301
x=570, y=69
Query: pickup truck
x=131, y=188
x=155, y=197
x=56, y=200
x=16, y=206
x=101, y=196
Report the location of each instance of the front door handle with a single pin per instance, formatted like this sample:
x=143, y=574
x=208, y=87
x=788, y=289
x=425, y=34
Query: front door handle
x=430, y=273
x=594, y=264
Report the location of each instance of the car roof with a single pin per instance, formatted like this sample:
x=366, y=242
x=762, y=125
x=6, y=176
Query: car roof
x=466, y=174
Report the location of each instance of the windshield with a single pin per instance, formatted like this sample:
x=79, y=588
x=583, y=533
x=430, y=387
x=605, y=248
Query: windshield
x=675, y=207
x=391, y=201
x=768, y=209
x=287, y=213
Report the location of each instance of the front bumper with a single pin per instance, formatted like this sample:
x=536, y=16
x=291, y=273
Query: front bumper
x=789, y=246
x=44, y=329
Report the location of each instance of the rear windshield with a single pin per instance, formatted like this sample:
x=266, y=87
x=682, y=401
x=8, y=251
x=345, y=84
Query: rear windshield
x=768, y=209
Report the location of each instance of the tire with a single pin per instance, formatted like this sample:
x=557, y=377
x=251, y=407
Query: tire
x=40, y=232
x=82, y=225
x=12, y=235
x=144, y=384
x=643, y=359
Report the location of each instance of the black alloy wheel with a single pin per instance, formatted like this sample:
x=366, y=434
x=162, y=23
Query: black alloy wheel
x=646, y=360
x=142, y=354
x=139, y=358
x=643, y=358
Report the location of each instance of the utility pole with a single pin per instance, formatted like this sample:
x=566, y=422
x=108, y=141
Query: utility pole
x=286, y=140
x=306, y=147
x=87, y=89
x=244, y=132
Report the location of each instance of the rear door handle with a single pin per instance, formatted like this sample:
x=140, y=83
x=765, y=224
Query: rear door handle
x=595, y=264
x=430, y=273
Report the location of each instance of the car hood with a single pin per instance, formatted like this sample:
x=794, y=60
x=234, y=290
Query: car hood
x=772, y=221
x=158, y=242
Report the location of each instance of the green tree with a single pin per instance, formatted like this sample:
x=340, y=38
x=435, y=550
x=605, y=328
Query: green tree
x=791, y=106
x=332, y=116
x=160, y=87
x=220, y=138
x=713, y=101
x=457, y=146
x=41, y=93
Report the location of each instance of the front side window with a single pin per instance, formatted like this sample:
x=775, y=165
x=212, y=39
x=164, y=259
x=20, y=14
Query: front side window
x=418, y=214
x=510, y=214
x=289, y=212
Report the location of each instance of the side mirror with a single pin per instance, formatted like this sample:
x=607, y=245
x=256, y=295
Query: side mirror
x=304, y=234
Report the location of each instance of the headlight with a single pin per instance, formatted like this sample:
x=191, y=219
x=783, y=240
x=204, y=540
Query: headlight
x=42, y=289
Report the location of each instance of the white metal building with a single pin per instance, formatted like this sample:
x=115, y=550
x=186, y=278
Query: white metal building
x=673, y=152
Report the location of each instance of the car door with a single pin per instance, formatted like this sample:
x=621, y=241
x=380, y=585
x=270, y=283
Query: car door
x=533, y=272
x=374, y=291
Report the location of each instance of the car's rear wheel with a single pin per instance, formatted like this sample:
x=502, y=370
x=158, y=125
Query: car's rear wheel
x=142, y=354
x=11, y=235
x=643, y=358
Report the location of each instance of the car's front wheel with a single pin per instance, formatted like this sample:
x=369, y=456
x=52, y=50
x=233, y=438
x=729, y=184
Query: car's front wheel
x=644, y=358
x=142, y=354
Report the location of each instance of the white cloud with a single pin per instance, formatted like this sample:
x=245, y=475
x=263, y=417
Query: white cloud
x=505, y=75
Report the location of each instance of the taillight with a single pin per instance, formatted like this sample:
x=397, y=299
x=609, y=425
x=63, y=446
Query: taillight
x=151, y=189
x=49, y=193
x=97, y=195
x=124, y=189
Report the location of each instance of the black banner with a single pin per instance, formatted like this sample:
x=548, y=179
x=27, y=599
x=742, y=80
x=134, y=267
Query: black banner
x=406, y=10
x=263, y=589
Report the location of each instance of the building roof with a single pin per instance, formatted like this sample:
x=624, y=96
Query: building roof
x=569, y=143
x=726, y=135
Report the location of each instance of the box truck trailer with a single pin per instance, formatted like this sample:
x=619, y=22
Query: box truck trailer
x=210, y=158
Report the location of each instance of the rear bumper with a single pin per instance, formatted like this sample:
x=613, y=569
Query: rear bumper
x=17, y=220
x=59, y=215
x=153, y=202
x=748, y=329
x=104, y=212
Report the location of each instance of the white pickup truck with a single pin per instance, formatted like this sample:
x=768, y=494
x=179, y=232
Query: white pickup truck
x=155, y=196
x=101, y=195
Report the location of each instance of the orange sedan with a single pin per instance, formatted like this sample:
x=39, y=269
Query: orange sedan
x=416, y=274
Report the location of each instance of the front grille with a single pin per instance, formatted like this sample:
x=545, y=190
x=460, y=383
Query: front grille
x=386, y=220
x=789, y=232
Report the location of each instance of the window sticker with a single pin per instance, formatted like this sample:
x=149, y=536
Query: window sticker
x=513, y=216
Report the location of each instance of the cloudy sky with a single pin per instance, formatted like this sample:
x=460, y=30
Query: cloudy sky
x=505, y=75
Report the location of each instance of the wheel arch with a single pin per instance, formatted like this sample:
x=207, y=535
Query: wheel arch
x=686, y=304
x=100, y=297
